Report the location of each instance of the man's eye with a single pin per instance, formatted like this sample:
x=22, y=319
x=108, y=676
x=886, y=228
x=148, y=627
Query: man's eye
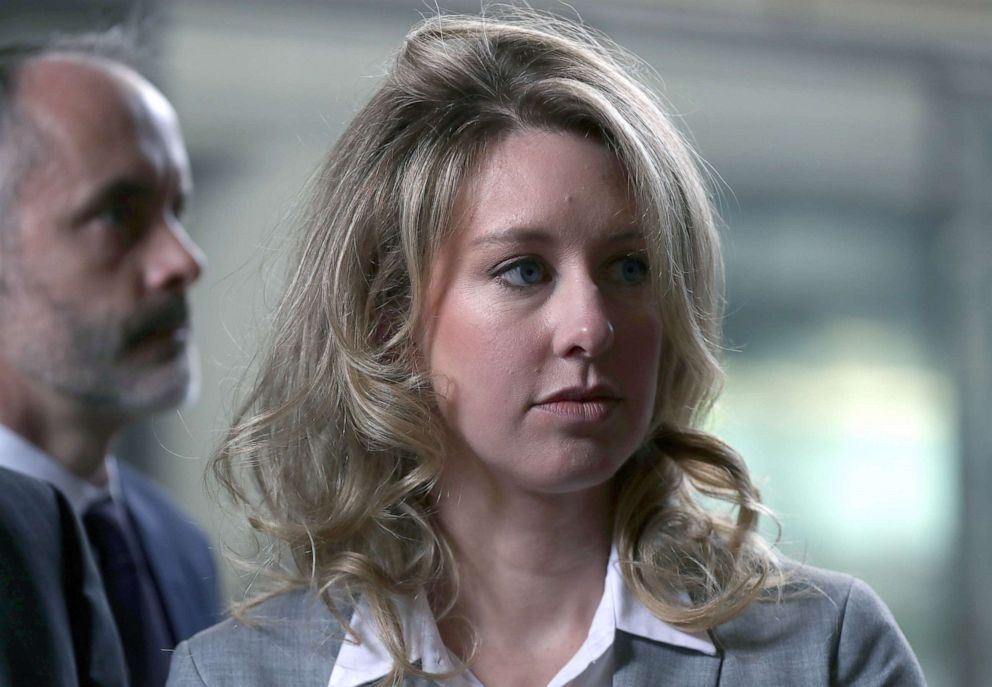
x=523, y=272
x=629, y=270
x=115, y=215
x=127, y=219
x=129, y=216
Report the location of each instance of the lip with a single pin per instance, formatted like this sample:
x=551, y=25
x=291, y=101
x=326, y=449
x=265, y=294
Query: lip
x=582, y=404
x=167, y=341
x=580, y=394
x=163, y=320
x=179, y=331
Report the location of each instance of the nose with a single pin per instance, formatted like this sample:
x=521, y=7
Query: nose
x=582, y=325
x=174, y=260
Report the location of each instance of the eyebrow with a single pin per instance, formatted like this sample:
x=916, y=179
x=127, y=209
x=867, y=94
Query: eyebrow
x=518, y=235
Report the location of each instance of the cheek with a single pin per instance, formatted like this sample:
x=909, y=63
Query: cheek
x=478, y=351
x=454, y=334
x=639, y=357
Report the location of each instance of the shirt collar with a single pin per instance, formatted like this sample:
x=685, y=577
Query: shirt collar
x=358, y=663
x=634, y=618
x=20, y=455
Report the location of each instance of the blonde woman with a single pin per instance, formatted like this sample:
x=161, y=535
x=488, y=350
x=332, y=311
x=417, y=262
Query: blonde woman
x=475, y=431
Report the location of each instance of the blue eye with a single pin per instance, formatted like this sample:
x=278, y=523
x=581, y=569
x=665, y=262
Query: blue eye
x=116, y=215
x=523, y=272
x=630, y=269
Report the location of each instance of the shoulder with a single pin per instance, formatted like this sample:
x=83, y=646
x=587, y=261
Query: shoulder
x=36, y=541
x=141, y=492
x=825, y=627
x=34, y=517
x=51, y=598
x=289, y=639
x=178, y=553
x=158, y=518
x=20, y=491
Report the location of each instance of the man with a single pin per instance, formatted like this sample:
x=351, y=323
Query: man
x=56, y=628
x=94, y=268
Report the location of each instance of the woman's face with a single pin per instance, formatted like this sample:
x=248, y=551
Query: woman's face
x=543, y=333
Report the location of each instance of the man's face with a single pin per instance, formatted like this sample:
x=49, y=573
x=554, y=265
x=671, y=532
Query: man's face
x=95, y=267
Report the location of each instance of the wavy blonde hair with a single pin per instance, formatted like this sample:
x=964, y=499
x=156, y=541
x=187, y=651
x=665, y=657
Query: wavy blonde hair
x=337, y=448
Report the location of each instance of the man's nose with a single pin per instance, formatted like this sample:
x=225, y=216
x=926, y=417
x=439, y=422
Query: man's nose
x=582, y=324
x=174, y=260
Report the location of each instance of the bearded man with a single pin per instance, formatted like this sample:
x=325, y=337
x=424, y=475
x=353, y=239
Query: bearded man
x=94, y=323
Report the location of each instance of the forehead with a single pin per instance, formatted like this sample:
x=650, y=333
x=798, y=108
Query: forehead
x=547, y=180
x=98, y=119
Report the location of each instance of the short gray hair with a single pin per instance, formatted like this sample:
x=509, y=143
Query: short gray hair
x=18, y=140
x=15, y=135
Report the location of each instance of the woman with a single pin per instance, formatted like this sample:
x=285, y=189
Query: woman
x=475, y=431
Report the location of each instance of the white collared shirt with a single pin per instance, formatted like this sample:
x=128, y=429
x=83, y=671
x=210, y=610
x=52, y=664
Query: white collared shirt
x=591, y=666
x=20, y=455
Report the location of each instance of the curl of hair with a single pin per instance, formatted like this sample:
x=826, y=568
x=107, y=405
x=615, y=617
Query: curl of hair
x=336, y=449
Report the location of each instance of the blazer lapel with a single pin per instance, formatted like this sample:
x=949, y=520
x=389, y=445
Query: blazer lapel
x=165, y=572
x=641, y=661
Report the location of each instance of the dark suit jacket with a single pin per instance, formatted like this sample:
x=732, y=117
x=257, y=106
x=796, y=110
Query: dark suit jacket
x=180, y=559
x=829, y=629
x=55, y=625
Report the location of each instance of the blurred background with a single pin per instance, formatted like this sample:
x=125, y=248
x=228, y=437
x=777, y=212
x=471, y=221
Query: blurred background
x=852, y=147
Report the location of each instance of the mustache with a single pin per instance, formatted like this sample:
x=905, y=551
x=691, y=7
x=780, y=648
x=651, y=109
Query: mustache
x=170, y=313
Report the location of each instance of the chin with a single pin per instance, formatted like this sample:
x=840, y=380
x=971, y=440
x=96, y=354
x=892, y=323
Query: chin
x=576, y=474
x=164, y=388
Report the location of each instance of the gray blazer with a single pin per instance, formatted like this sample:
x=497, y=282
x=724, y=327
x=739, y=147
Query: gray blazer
x=829, y=629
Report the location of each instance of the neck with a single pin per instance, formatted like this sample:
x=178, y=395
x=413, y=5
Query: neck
x=531, y=570
x=58, y=426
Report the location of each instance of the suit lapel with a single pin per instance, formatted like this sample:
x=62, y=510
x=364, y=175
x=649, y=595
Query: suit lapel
x=641, y=661
x=165, y=573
